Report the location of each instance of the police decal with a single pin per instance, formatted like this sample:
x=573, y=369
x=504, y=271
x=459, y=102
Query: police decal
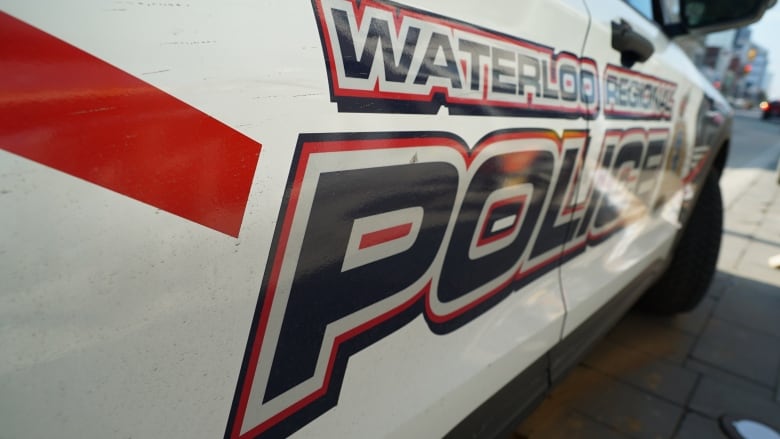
x=458, y=229
x=633, y=95
x=384, y=57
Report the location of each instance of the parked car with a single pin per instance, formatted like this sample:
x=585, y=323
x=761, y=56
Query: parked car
x=769, y=109
x=340, y=218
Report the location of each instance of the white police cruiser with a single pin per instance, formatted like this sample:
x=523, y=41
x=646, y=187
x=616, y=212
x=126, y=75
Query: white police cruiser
x=340, y=218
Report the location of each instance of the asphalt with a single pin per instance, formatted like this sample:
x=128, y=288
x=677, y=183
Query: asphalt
x=656, y=377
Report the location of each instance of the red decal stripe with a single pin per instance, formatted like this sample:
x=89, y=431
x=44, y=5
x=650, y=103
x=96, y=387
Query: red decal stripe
x=71, y=111
x=384, y=235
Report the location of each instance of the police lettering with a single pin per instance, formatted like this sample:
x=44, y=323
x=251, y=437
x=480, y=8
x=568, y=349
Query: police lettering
x=632, y=95
x=381, y=58
x=380, y=228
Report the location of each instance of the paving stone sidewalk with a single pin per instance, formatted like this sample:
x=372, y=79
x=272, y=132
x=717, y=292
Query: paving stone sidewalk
x=654, y=377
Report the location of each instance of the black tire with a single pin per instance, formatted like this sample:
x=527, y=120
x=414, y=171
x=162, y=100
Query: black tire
x=765, y=115
x=695, y=258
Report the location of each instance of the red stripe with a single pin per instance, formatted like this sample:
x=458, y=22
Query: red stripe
x=384, y=235
x=69, y=110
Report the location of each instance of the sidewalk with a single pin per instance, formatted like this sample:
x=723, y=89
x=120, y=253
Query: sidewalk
x=655, y=377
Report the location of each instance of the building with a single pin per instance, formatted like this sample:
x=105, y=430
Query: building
x=756, y=65
x=736, y=66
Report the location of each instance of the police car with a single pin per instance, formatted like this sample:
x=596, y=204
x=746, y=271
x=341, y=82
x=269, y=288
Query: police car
x=340, y=218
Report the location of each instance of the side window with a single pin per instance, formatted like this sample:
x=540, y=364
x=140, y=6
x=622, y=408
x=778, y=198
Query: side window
x=645, y=7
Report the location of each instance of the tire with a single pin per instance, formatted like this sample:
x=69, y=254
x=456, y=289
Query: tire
x=765, y=115
x=695, y=258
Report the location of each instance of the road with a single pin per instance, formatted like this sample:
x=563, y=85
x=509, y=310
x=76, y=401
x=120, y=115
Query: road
x=756, y=145
x=755, y=142
x=654, y=377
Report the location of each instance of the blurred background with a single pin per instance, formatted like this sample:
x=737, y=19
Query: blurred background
x=744, y=63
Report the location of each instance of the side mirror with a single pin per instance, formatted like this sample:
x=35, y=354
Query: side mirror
x=704, y=16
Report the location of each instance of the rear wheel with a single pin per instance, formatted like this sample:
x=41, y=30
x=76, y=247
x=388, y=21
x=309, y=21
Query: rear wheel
x=694, y=261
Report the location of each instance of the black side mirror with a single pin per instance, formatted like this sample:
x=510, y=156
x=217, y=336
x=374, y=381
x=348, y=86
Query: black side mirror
x=704, y=16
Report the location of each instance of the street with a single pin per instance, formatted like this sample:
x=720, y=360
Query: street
x=656, y=377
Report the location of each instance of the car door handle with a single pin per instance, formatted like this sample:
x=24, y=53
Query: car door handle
x=632, y=46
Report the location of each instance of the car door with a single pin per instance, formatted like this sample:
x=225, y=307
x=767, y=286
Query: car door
x=641, y=158
x=486, y=303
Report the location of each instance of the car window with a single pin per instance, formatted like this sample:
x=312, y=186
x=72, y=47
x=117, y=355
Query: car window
x=645, y=7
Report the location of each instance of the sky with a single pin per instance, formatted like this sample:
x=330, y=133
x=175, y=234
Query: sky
x=767, y=34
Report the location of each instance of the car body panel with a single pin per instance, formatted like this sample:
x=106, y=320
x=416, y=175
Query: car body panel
x=591, y=279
